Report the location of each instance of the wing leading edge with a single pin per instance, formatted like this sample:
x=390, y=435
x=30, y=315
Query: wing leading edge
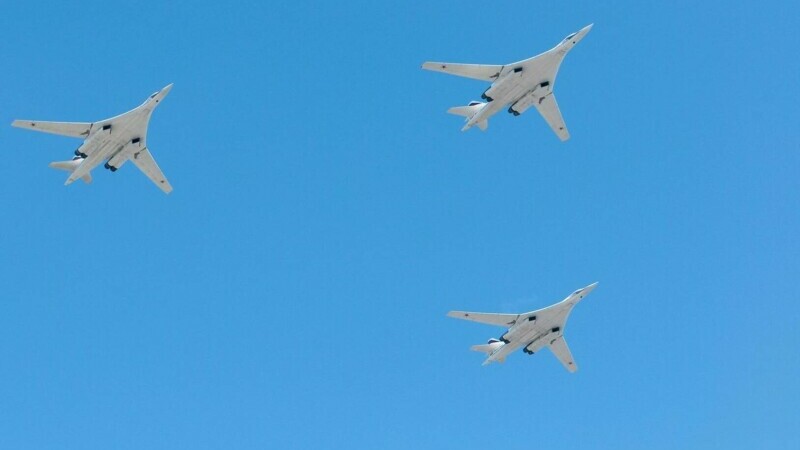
x=545, y=102
x=548, y=108
x=482, y=72
x=71, y=129
x=144, y=161
x=501, y=320
x=561, y=351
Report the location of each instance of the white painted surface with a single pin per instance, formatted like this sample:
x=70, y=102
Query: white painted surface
x=521, y=84
x=531, y=331
x=114, y=140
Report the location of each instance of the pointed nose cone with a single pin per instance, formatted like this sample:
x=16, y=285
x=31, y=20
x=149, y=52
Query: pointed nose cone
x=166, y=90
x=584, y=31
x=576, y=37
x=590, y=287
x=581, y=293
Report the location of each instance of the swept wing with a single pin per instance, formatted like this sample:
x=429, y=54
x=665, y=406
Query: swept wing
x=482, y=72
x=501, y=320
x=548, y=108
x=561, y=351
x=71, y=129
x=143, y=159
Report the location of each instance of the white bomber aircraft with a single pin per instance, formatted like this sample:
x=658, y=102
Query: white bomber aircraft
x=115, y=141
x=522, y=84
x=532, y=330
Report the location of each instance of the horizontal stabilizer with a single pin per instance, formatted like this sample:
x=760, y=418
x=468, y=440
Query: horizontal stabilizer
x=485, y=348
x=482, y=72
x=70, y=167
x=71, y=129
x=466, y=111
x=490, y=360
x=469, y=111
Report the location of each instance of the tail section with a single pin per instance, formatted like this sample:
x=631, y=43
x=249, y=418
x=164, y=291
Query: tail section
x=490, y=349
x=466, y=111
x=70, y=167
x=484, y=348
x=469, y=112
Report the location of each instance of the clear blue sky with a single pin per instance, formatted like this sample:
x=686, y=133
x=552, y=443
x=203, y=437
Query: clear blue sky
x=291, y=292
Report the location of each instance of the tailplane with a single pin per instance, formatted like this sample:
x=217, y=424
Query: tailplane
x=70, y=167
x=469, y=111
x=489, y=347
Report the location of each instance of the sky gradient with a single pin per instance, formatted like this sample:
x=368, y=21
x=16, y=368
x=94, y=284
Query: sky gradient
x=327, y=213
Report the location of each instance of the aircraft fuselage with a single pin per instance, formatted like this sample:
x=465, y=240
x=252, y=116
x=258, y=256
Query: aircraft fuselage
x=117, y=139
x=533, y=334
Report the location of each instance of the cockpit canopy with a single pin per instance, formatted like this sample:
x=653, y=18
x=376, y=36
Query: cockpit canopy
x=569, y=37
x=154, y=94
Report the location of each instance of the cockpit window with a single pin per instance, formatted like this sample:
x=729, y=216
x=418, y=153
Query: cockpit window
x=154, y=94
x=570, y=36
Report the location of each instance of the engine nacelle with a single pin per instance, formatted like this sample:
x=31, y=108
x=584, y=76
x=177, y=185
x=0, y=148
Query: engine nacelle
x=79, y=151
x=117, y=161
x=518, y=329
x=503, y=85
x=531, y=98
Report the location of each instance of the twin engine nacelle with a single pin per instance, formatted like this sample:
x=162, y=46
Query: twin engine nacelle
x=518, y=329
x=502, y=86
x=116, y=161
